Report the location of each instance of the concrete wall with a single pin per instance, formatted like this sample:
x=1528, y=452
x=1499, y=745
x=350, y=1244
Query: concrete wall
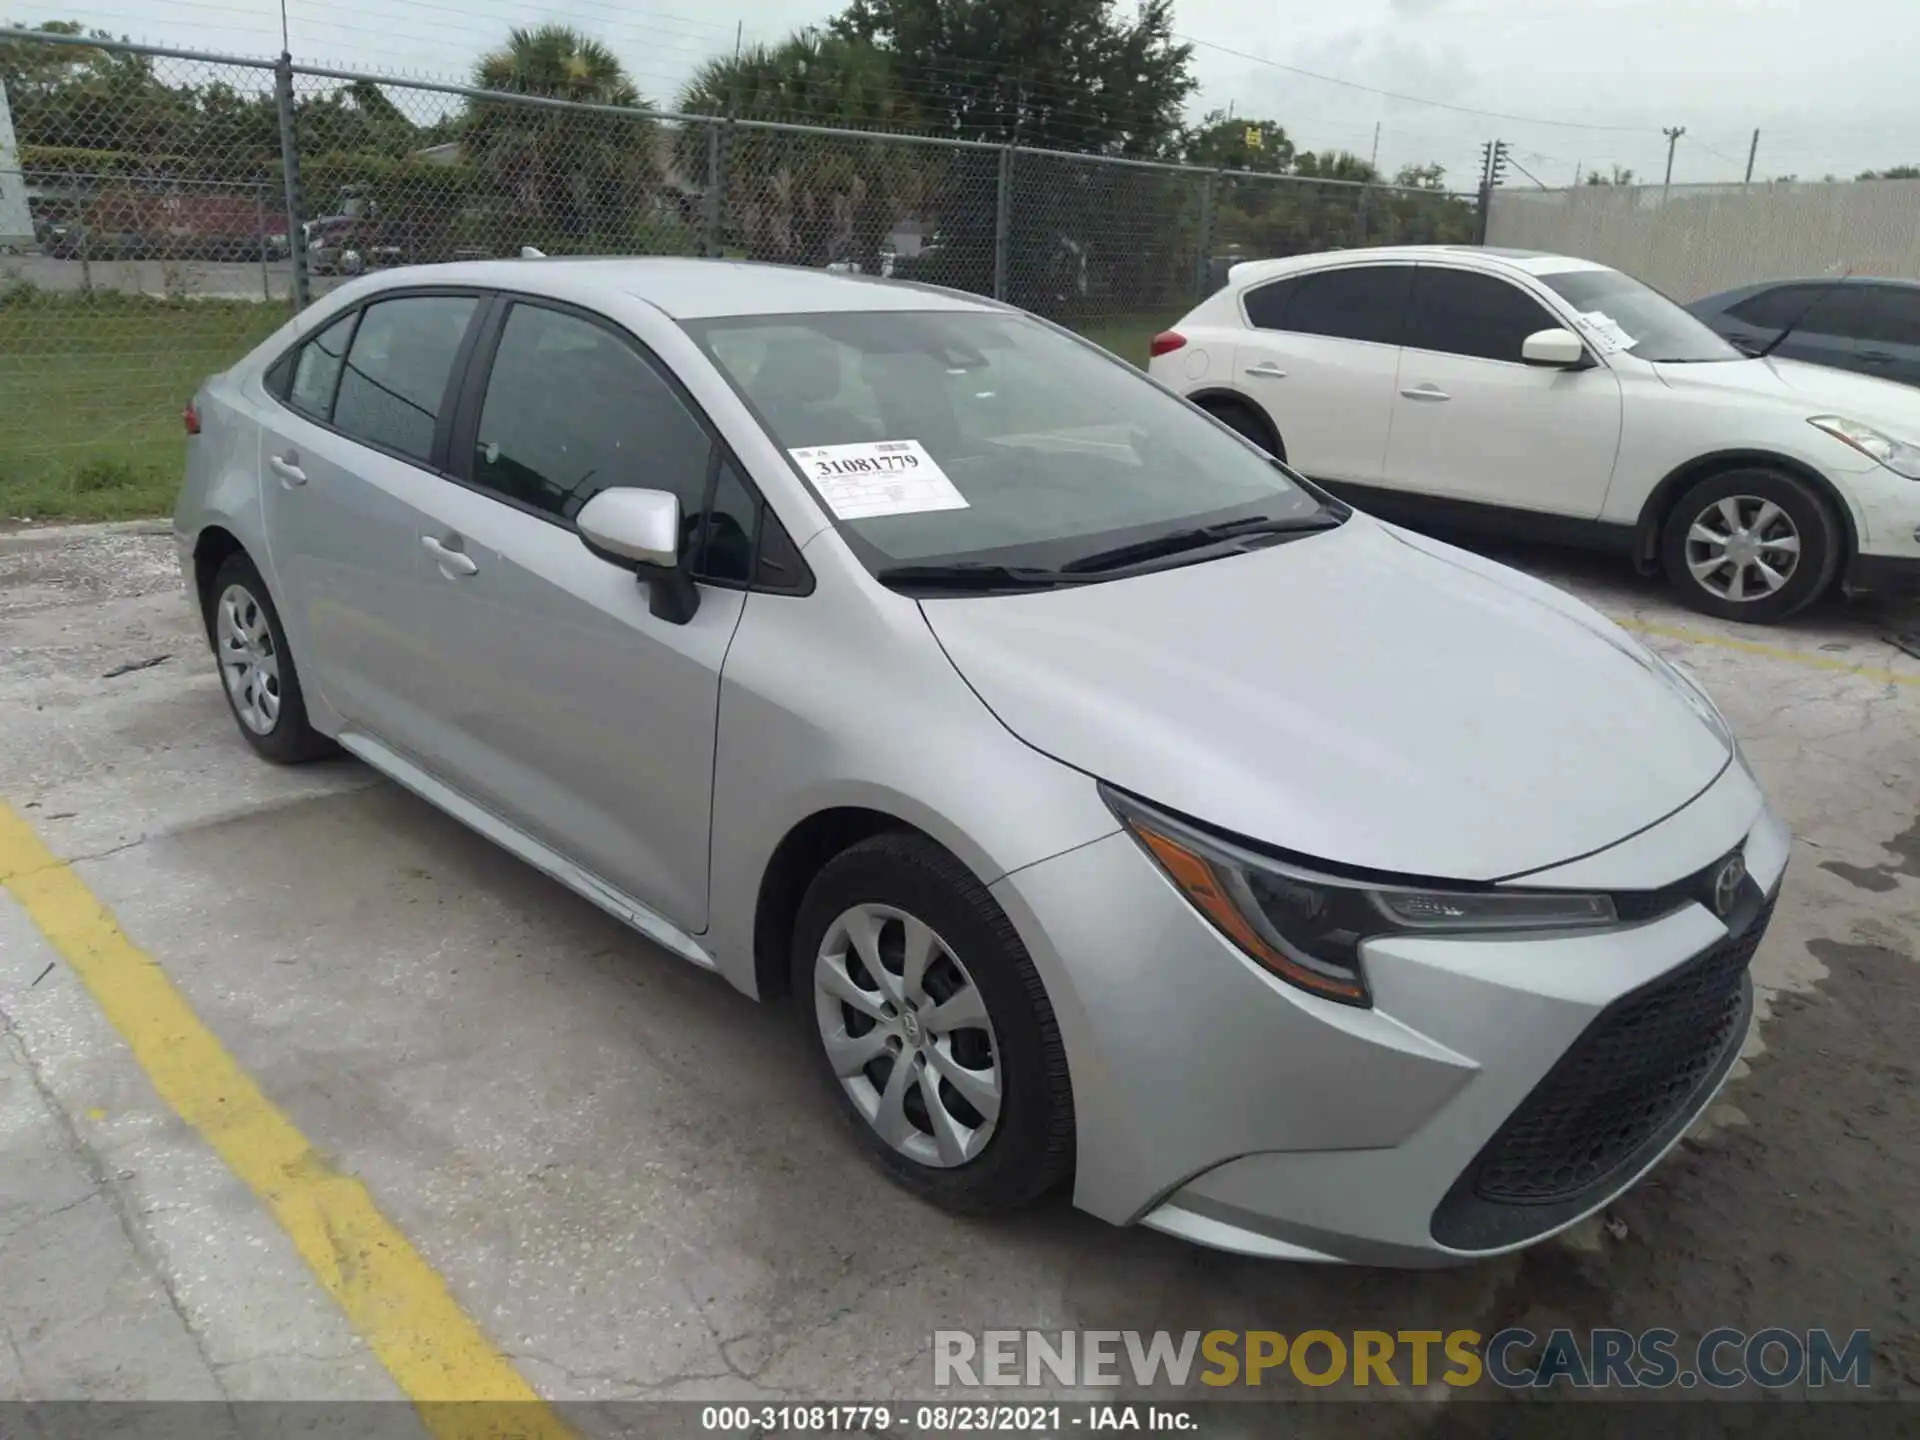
x=1695, y=240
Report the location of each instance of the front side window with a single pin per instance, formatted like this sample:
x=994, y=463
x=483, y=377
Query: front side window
x=395, y=381
x=1038, y=449
x=572, y=409
x=1777, y=308
x=316, y=369
x=1459, y=312
x=1360, y=302
x=1655, y=328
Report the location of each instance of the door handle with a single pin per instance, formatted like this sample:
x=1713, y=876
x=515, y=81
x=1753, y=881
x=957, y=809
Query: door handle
x=454, y=564
x=287, y=468
x=1425, y=392
x=1267, y=370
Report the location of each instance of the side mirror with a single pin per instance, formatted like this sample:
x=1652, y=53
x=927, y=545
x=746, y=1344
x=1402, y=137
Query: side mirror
x=639, y=530
x=1559, y=348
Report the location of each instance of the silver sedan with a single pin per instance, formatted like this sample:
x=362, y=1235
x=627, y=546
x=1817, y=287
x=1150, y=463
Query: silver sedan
x=1114, y=807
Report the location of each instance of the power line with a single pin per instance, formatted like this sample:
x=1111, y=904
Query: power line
x=1411, y=99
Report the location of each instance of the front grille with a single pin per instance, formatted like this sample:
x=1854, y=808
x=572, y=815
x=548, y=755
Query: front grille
x=1624, y=1086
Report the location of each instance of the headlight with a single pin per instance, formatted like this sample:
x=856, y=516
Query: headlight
x=1307, y=927
x=1897, y=455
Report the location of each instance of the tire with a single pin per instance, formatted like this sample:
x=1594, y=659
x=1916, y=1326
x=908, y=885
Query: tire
x=1758, y=579
x=256, y=668
x=1244, y=420
x=992, y=1163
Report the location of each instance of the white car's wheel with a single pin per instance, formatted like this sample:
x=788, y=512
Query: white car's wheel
x=1751, y=544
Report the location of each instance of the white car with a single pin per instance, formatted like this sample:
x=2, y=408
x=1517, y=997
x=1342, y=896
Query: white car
x=1537, y=395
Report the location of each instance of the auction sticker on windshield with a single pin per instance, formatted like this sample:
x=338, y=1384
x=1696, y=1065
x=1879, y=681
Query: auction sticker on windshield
x=878, y=477
x=1605, y=331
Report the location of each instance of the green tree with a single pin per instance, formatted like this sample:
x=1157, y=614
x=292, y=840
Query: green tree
x=577, y=173
x=1619, y=176
x=800, y=198
x=1059, y=74
x=1233, y=143
x=1897, y=172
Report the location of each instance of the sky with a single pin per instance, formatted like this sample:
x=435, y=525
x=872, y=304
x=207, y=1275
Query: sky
x=1571, y=86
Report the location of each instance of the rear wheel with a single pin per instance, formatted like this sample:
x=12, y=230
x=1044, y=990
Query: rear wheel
x=256, y=668
x=1751, y=544
x=1243, y=419
x=932, y=1026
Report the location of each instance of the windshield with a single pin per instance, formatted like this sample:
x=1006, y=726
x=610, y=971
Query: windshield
x=1619, y=313
x=969, y=437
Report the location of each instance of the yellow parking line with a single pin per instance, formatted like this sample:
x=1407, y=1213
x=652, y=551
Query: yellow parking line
x=395, y=1300
x=1772, y=652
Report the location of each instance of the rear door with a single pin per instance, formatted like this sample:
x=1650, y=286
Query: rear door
x=1319, y=355
x=348, y=457
x=561, y=702
x=1473, y=421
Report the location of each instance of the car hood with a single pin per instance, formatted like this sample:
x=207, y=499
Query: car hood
x=1816, y=389
x=1363, y=696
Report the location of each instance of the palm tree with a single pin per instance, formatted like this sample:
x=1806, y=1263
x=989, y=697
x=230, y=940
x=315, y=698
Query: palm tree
x=579, y=172
x=799, y=197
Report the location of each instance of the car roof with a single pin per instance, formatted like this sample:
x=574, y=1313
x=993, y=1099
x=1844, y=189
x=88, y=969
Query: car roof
x=1527, y=262
x=693, y=289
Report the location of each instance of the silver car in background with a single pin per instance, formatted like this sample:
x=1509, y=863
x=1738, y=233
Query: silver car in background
x=1115, y=807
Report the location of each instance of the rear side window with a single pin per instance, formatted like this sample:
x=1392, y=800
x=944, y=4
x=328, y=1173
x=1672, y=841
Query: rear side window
x=1890, y=315
x=316, y=369
x=1362, y=302
x=395, y=379
x=1267, y=305
x=1459, y=312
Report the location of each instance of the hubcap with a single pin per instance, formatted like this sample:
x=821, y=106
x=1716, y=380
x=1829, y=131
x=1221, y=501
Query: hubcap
x=907, y=1032
x=249, y=661
x=1743, y=548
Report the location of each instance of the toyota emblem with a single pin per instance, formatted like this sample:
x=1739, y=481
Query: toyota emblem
x=1726, y=885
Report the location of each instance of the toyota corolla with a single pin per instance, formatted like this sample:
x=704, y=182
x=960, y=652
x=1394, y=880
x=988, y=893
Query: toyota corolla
x=1113, y=807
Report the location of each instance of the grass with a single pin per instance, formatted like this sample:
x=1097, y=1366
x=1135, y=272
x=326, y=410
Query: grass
x=91, y=389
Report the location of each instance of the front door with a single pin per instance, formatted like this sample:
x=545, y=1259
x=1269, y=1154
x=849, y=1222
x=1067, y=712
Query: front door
x=1472, y=421
x=565, y=705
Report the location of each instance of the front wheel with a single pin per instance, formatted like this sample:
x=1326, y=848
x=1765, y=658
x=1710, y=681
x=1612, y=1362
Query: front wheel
x=933, y=1027
x=1756, y=545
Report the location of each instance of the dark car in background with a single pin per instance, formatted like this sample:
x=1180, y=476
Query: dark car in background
x=1868, y=325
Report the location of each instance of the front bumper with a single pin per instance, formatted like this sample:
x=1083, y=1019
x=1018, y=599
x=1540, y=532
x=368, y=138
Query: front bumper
x=1217, y=1103
x=1887, y=517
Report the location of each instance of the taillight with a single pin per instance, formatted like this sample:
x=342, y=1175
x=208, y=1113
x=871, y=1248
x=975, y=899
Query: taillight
x=190, y=417
x=1166, y=342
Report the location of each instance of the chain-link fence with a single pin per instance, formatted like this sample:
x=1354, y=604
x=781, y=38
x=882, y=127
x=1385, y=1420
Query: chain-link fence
x=1696, y=240
x=162, y=210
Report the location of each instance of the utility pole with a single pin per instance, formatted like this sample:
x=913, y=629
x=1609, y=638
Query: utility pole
x=1673, y=134
x=1374, y=163
x=1752, y=151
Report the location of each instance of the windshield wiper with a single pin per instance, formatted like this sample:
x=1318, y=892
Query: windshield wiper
x=1176, y=541
x=971, y=575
